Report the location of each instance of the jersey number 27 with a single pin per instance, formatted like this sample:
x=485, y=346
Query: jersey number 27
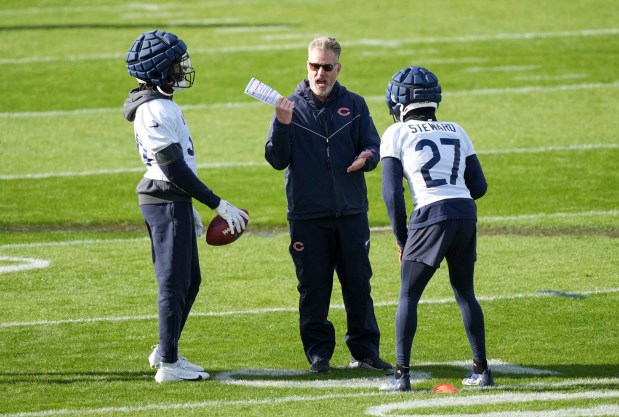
x=436, y=157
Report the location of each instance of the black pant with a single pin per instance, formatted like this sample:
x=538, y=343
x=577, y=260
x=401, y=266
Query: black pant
x=318, y=248
x=177, y=267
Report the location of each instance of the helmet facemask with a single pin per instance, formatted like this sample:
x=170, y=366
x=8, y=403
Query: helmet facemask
x=182, y=74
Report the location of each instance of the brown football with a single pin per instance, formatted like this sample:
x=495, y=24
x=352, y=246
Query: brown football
x=218, y=233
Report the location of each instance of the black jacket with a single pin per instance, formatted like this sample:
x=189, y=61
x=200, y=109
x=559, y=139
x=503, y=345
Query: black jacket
x=317, y=147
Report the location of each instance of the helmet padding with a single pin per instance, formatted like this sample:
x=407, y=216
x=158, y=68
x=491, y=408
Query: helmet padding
x=152, y=56
x=411, y=88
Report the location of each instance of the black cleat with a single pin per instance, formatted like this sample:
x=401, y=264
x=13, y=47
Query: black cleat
x=320, y=365
x=376, y=364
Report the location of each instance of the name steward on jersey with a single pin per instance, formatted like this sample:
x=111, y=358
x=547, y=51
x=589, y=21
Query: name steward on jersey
x=429, y=127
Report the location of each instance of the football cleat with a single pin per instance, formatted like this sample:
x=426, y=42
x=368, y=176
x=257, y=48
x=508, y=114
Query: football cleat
x=376, y=364
x=174, y=372
x=320, y=365
x=479, y=380
x=155, y=361
x=398, y=384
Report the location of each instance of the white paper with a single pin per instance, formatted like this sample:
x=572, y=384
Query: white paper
x=262, y=92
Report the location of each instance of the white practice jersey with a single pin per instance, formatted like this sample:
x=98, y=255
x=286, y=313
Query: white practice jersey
x=433, y=156
x=158, y=124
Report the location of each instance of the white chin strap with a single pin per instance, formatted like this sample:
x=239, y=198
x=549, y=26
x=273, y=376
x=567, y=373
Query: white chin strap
x=158, y=88
x=164, y=93
x=413, y=106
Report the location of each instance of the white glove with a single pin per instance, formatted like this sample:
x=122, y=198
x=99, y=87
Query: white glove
x=233, y=216
x=197, y=221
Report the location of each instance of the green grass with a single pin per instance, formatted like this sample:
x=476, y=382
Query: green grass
x=533, y=83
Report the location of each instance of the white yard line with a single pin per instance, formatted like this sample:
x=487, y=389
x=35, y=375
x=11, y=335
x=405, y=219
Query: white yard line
x=382, y=410
x=383, y=43
x=236, y=105
x=194, y=405
x=86, y=320
x=217, y=165
x=459, y=402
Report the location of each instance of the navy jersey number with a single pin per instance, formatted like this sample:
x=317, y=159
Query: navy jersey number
x=436, y=157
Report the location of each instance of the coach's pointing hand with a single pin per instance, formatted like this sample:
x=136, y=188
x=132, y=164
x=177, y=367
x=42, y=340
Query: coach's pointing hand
x=283, y=110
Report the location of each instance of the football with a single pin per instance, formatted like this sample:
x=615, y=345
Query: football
x=218, y=233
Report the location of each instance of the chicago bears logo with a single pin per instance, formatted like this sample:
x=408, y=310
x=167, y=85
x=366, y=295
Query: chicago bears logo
x=298, y=246
x=343, y=111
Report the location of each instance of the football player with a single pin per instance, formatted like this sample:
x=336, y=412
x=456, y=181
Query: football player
x=438, y=161
x=160, y=63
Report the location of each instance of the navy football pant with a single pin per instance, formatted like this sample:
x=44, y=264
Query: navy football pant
x=175, y=257
x=318, y=248
x=455, y=241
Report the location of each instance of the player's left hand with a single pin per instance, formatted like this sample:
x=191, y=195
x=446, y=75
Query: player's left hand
x=197, y=220
x=359, y=162
x=237, y=219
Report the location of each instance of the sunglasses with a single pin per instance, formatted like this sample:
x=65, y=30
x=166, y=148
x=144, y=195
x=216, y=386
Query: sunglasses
x=326, y=67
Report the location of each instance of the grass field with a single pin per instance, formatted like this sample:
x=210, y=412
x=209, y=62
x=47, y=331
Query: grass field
x=534, y=83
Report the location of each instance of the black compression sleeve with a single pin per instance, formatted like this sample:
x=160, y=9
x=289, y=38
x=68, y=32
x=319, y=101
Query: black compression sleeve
x=474, y=177
x=174, y=167
x=393, y=194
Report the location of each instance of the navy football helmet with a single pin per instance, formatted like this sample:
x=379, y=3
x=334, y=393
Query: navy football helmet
x=412, y=88
x=160, y=58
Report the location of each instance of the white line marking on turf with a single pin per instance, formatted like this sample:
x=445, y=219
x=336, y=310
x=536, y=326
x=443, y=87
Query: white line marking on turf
x=284, y=377
x=380, y=410
x=73, y=243
x=348, y=382
x=507, y=398
x=21, y=264
x=278, y=310
x=80, y=112
x=383, y=43
x=463, y=93
x=548, y=215
x=567, y=383
x=497, y=366
x=534, y=216
x=550, y=77
x=217, y=165
x=543, y=149
x=503, y=68
x=195, y=405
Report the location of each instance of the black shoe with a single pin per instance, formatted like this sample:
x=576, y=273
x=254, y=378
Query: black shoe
x=320, y=365
x=376, y=364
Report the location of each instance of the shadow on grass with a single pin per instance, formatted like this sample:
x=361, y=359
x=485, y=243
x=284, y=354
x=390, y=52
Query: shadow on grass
x=72, y=377
x=550, y=373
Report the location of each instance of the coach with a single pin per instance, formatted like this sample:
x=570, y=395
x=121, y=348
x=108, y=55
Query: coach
x=324, y=138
